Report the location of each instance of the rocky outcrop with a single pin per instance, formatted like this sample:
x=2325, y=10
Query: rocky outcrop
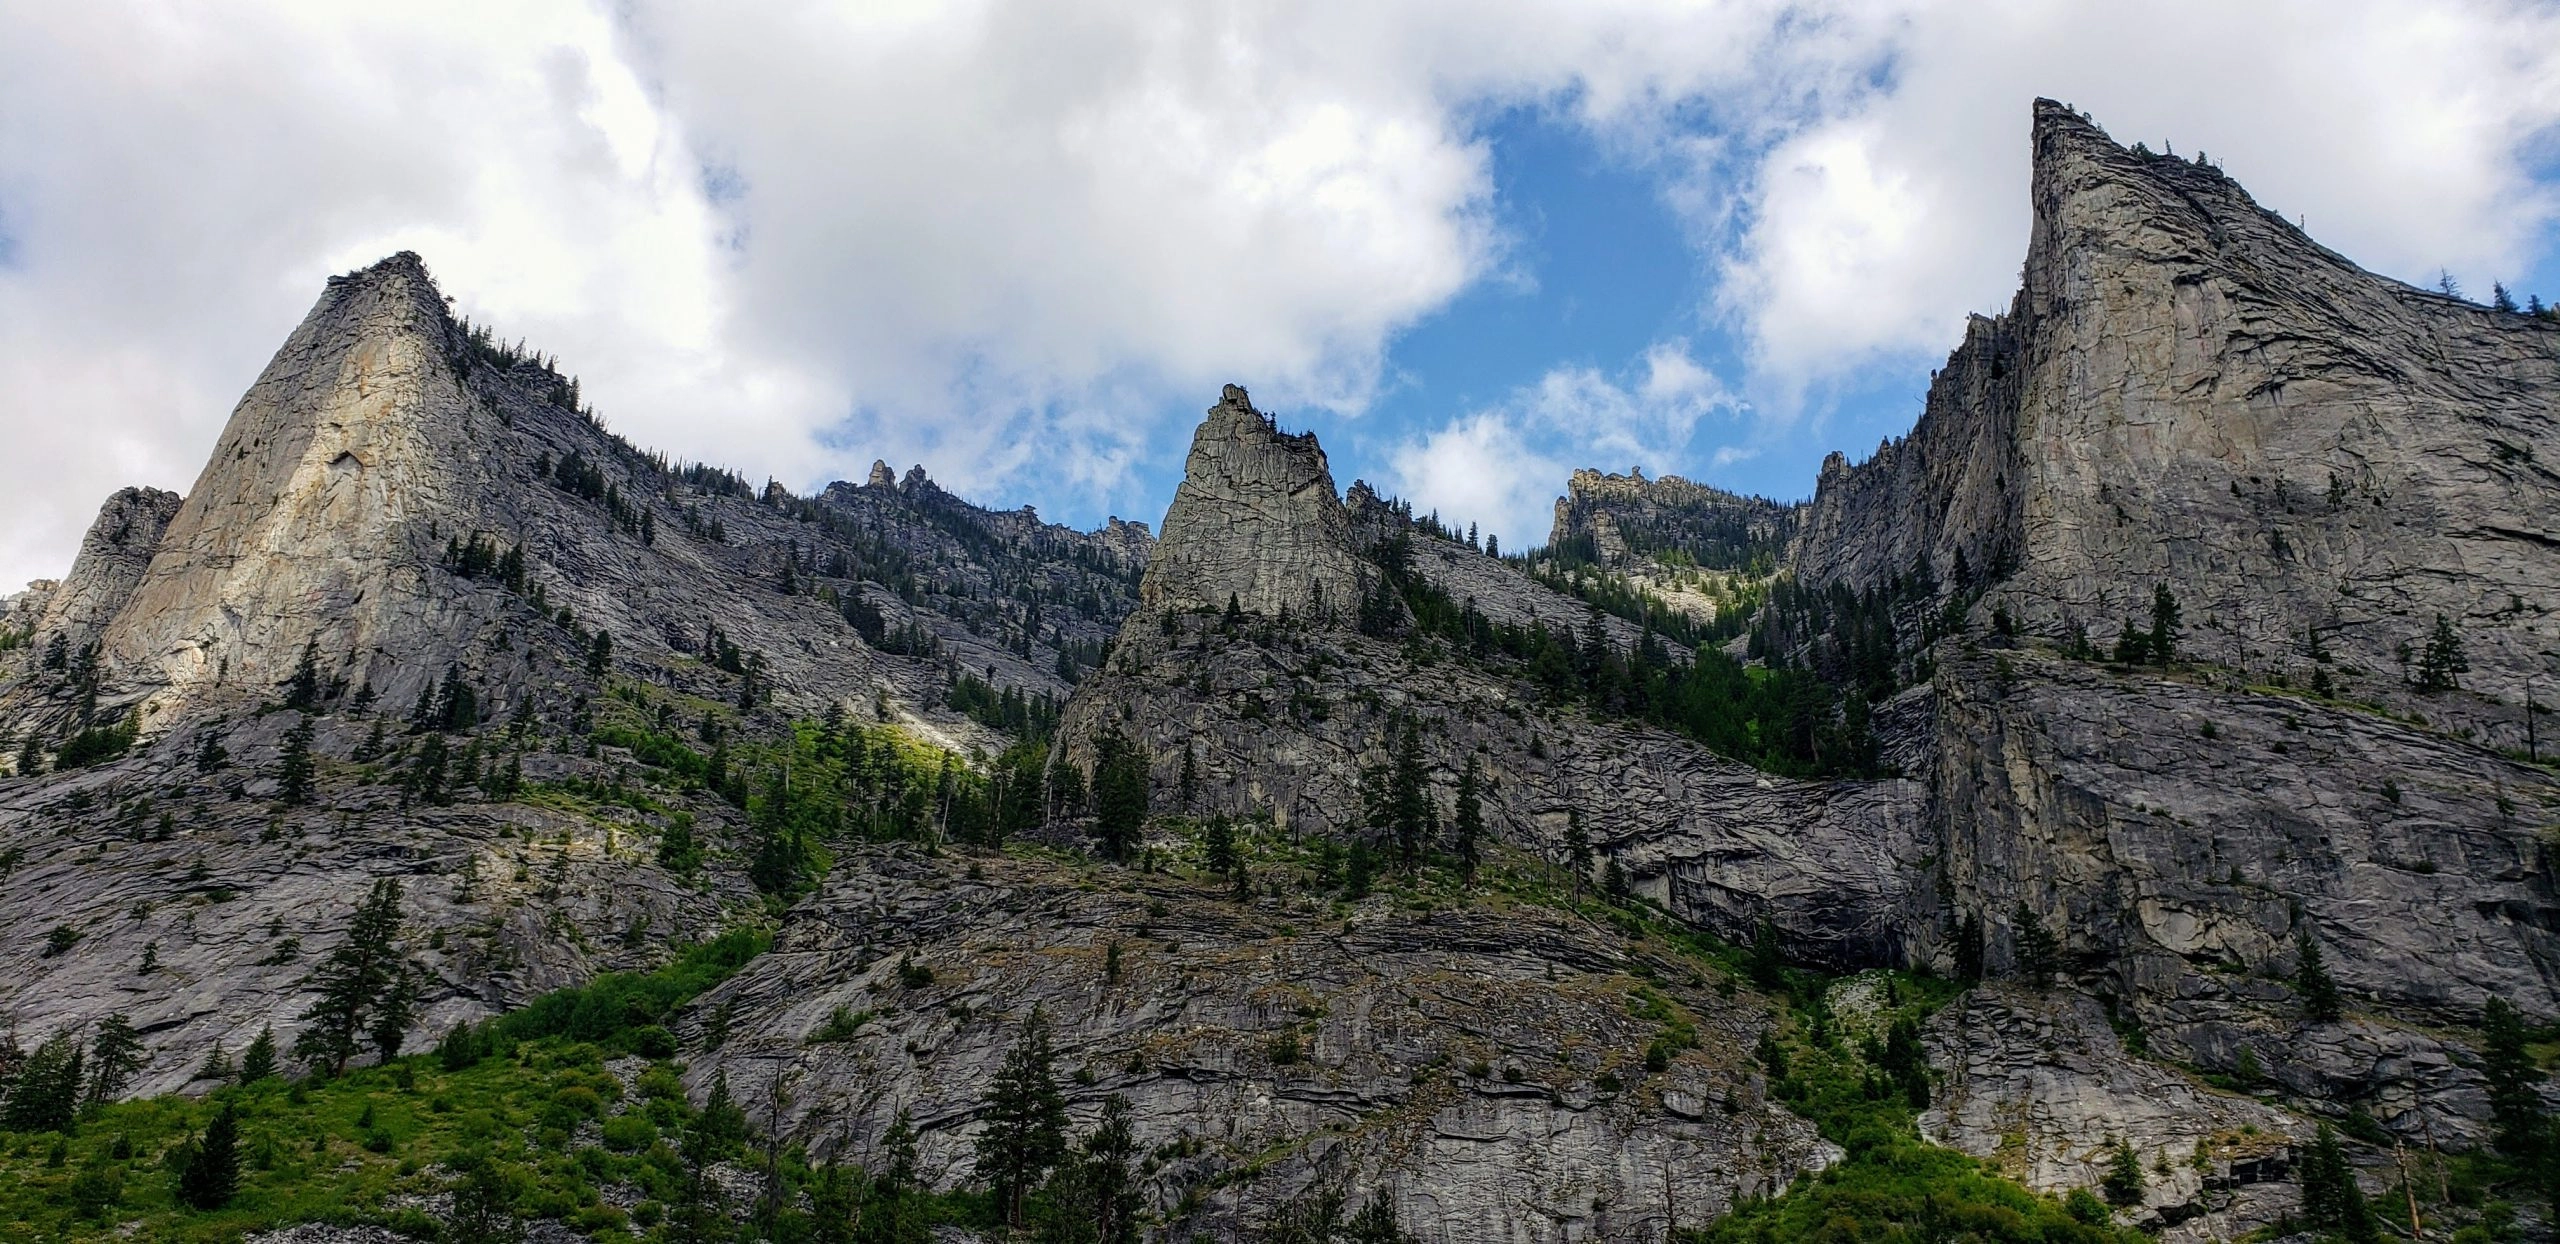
x=1256, y=520
x=2189, y=391
x=2042, y=1087
x=188, y=900
x=417, y=507
x=113, y=556
x=1628, y=522
x=1483, y=1067
x=1287, y=717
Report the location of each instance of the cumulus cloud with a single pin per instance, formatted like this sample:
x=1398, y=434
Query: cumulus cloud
x=1502, y=467
x=2400, y=133
x=1023, y=242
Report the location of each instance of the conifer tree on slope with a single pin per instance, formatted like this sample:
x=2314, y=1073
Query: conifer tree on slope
x=1026, y=1131
x=356, y=981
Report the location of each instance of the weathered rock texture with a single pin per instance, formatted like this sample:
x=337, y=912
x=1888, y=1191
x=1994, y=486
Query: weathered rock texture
x=2041, y=1086
x=1632, y=523
x=1483, y=1066
x=382, y=439
x=113, y=556
x=1259, y=523
x=1286, y=717
x=2190, y=391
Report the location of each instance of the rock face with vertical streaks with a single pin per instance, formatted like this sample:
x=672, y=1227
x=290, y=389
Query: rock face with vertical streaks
x=1259, y=521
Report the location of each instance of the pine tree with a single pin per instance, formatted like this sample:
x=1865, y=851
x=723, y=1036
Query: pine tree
x=1218, y=844
x=2038, y=953
x=2515, y=1105
x=1577, y=850
x=2311, y=980
x=1968, y=949
x=1119, y=794
x=483, y=1201
x=46, y=1095
x=1190, y=776
x=2330, y=1198
x=115, y=1053
x=210, y=1173
x=893, y=1209
x=2442, y=666
x=1093, y=1196
x=2164, y=625
x=1469, y=823
x=259, y=1061
x=599, y=653
x=294, y=768
x=1408, y=799
x=302, y=691
x=1375, y=1223
x=363, y=973
x=2123, y=1181
x=395, y=1011
x=1026, y=1120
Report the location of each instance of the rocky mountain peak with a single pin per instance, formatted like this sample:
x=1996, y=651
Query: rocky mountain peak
x=356, y=441
x=1256, y=519
x=881, y=475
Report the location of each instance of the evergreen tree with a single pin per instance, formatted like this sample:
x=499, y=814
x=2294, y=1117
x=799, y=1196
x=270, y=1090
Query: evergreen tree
x=893, y=1209
x=2443, y=664
x=427, y=779
x=2038, y=952
x=2330, y=1198
x=2164, y=625
x=395, y=1011
x=599, y=653
x=2123, y=1182
x=2311, y=980
x=1766, y=964
x=1190, y=776
x=294, y=767
x=1577, y=850
x=209, y=1174
x=1093, y=1196
x=302, y=691
x=1408, y=798
x=483, y=1200
x=357, y=979
x=1218, y=844
x=1026, y=1120
x=1119, y=794
x=46, y=1094
x=259, y=1061
x=1968, y=949
x=2515, y=1105
x=1375, y=1223
x=1469, y=825
x=115, y=1053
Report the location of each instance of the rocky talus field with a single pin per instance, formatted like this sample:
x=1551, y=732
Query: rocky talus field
x=2117, y=809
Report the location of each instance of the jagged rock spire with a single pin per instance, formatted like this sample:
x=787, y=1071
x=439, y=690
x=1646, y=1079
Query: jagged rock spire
x=1256, y=519
x=315, y=512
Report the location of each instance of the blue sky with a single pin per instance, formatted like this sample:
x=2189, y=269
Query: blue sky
x=1472, y=244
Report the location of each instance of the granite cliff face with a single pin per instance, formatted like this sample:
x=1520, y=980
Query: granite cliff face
x=1630, y=523
x=2317, y=460
x=113, y=558
x=2181, y=379
x=418, y=508
x=1483, y=1068
x=1258, y=520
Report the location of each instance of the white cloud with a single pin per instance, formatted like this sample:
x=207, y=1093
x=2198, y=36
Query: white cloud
x=1004, y=237
x=1480, y=469
x=2400, y=132
x=1502, y=467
